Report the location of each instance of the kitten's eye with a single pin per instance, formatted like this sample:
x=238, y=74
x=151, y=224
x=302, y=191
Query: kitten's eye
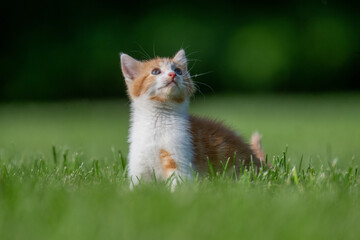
x=178, y=71
x=155, y=71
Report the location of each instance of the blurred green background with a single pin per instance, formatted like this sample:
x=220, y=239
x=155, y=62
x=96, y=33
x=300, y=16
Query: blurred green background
x=289, y=70
x=69, y=49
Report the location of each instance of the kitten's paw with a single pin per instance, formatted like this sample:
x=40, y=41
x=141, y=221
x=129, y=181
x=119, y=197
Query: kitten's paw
x=134, y=181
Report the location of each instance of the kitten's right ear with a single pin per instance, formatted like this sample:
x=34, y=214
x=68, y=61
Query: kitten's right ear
x=130, y=67
x=180, y=57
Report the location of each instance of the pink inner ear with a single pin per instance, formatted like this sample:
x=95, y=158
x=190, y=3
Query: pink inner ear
x=180, y=57
x=129, y=66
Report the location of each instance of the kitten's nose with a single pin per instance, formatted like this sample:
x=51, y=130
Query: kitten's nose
x=172, y=75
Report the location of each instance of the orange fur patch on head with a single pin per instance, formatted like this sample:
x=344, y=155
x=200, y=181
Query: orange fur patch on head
x=144, y=80
x=168, y=162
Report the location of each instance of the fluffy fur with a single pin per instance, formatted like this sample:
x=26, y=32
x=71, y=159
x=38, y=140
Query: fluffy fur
x=164, y=139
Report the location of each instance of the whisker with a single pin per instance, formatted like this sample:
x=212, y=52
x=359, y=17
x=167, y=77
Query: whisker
x=148, y=56
x=185, y=48
x=154, y=49
x=206, y=86
x=192, y=66
x=182, y=45
x=191, y=53
x=200, y=74
x=193, y=60
x=141, y=53
x=197, y=88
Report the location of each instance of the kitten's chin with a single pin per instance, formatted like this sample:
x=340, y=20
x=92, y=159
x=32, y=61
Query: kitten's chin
x=172, y=90
x=170, y=94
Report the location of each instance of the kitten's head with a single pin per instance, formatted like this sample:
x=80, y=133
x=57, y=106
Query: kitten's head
x=160, y=79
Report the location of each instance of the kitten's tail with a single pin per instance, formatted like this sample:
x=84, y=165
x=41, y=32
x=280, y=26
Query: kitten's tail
x=255, y=145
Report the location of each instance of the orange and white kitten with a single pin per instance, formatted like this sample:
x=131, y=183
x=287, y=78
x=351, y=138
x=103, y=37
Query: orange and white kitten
x=164, y=139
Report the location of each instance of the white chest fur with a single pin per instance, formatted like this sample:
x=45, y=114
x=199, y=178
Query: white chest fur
x=155, y=127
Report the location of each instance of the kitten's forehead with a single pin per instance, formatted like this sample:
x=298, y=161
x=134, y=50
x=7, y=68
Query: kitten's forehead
x=161, y=62
x=166, y=62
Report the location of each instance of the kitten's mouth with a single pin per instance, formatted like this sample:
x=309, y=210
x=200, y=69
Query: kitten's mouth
x=168, y=84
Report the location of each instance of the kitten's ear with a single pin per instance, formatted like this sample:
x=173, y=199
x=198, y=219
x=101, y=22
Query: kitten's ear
x=130, y=67
x=180, y=57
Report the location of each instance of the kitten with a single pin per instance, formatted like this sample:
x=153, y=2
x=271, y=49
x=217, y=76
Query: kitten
x=164, y=139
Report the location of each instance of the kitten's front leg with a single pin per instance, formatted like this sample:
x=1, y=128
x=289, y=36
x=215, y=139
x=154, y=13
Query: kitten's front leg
x=171, y=169
x=177, y=177
x=173, y=177
x=137, y=171
x=134, y=180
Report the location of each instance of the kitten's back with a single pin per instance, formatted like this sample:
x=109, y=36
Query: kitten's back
x=214, y=141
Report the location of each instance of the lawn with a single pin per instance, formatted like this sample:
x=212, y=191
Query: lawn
x=62, y=173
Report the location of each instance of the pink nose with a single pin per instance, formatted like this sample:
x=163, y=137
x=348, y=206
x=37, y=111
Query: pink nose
x=172, y=75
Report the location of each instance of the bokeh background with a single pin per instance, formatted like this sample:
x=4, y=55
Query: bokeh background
x=69, y=49
x=287, y=69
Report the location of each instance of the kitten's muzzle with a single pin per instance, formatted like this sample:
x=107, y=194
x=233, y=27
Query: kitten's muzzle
x=172, y=81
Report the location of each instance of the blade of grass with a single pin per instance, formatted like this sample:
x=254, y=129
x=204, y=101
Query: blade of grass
x=54, y=155
x=212, y=173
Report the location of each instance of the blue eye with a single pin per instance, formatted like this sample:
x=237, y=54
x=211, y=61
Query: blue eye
x=178, y=71
x=155, y=71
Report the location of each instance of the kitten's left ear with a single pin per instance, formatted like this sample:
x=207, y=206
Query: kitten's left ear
x=180, y=57
x=130, y=67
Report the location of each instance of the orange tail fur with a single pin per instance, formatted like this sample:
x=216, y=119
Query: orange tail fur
x=255, y=145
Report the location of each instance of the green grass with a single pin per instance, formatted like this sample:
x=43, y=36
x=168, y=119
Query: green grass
x=62, y=177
